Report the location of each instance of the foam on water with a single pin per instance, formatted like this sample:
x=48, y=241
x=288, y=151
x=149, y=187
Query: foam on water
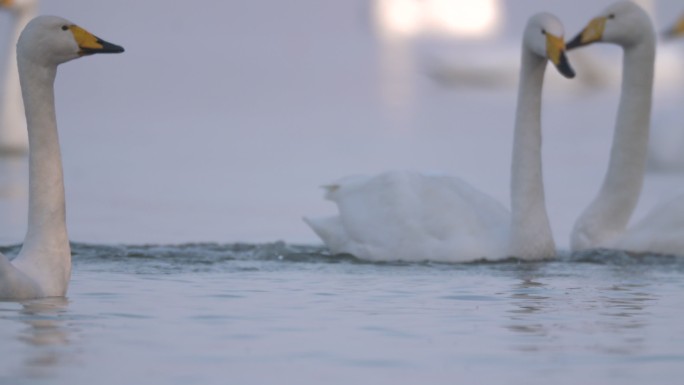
x=194, y=257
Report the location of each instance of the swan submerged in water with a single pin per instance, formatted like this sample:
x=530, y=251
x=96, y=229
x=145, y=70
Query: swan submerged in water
x=13, y=137
x=411, y=216
x=604, y=223
x=43, y=266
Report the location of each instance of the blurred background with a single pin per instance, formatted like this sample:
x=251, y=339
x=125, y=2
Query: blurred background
x=222, y=118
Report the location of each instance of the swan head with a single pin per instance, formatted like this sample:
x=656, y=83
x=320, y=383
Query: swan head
x=544, y=37
x=18, y=5
x=51, y=40
x=623, y=23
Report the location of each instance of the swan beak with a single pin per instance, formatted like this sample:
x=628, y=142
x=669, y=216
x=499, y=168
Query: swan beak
x=555, y=50
x=677, y=30
x=89, y=44
x=6, y=3
x=592, y=33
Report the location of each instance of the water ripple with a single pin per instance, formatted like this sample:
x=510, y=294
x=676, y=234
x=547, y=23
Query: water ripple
x=202, y=257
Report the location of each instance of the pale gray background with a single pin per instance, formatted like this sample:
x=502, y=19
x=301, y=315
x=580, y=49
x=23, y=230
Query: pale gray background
x=222, y=118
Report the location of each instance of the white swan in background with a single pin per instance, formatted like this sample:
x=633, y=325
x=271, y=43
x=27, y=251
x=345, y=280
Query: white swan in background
x=666, y=144
x=43, y=266
x=411, y=216
x=13, y=135
x=604, y=222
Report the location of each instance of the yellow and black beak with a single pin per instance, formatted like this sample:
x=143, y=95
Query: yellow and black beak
x=90, y=44
x=676, y=31
x=592, y=33
x=555, y=51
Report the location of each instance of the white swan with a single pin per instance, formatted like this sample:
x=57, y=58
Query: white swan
x=666, y=144
x=604, y=222
x=411, y=216
x=13, y=136
x=43, y=266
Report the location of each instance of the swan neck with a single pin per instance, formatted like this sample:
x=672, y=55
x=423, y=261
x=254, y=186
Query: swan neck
x=46, y=234
x=608, y=215
x=12, y=126
x=530, y=234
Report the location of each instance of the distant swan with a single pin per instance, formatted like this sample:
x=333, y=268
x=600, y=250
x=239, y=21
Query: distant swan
x=666, y=144
x=43, y=266
x=13, y=137
x=411, y=216
x=604, y=222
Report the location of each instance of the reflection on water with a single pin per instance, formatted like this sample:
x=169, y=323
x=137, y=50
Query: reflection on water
x=529, y=304
x=265, y=312
x=551, y=317
x=624, y=310
x=44, y=318
x=46, y=338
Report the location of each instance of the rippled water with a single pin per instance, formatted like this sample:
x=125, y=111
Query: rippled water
x=277, y=313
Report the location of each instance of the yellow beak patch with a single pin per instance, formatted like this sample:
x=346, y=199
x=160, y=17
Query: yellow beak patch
x=85, y=39
x=594, y=30
x=555, y=46
x=6, y=3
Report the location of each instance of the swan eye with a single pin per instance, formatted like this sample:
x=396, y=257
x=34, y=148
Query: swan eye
x=65, y=27
x=543, y=31
x=611, y=16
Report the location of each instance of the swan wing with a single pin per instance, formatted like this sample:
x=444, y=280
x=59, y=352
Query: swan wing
x=402, y=215
x=661, y=231
x=14, y=284
x=331, y=232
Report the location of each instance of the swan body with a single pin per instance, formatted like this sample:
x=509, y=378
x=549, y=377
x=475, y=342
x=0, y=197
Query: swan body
x=401, y=215
x=411, y=216
x=660, y=231
x=43, y=266
x=604, y=223
x=13, y=136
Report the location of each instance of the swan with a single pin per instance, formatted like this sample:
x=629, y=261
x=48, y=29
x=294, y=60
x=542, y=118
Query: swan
x=13, y=137
x=603, y=224
x=666, y=144
x=410, y=216
x=43, y=266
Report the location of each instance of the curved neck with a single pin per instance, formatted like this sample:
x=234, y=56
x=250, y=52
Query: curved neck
x=46, y=232
x=13, y=125
x=530, y=234
x=608, y=215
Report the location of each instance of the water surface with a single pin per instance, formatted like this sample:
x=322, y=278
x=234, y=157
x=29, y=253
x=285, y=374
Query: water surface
x=255, y=314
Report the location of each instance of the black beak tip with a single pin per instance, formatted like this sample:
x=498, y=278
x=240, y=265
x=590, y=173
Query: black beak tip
x=567, y=71
x=111, y=48
x=574, y=43
x=564, y=67
x=107, y=47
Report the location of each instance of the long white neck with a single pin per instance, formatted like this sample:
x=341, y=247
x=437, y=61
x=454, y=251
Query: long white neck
x=13, y=135
x=608, y=215
x=530, y=233
x=46, y=250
